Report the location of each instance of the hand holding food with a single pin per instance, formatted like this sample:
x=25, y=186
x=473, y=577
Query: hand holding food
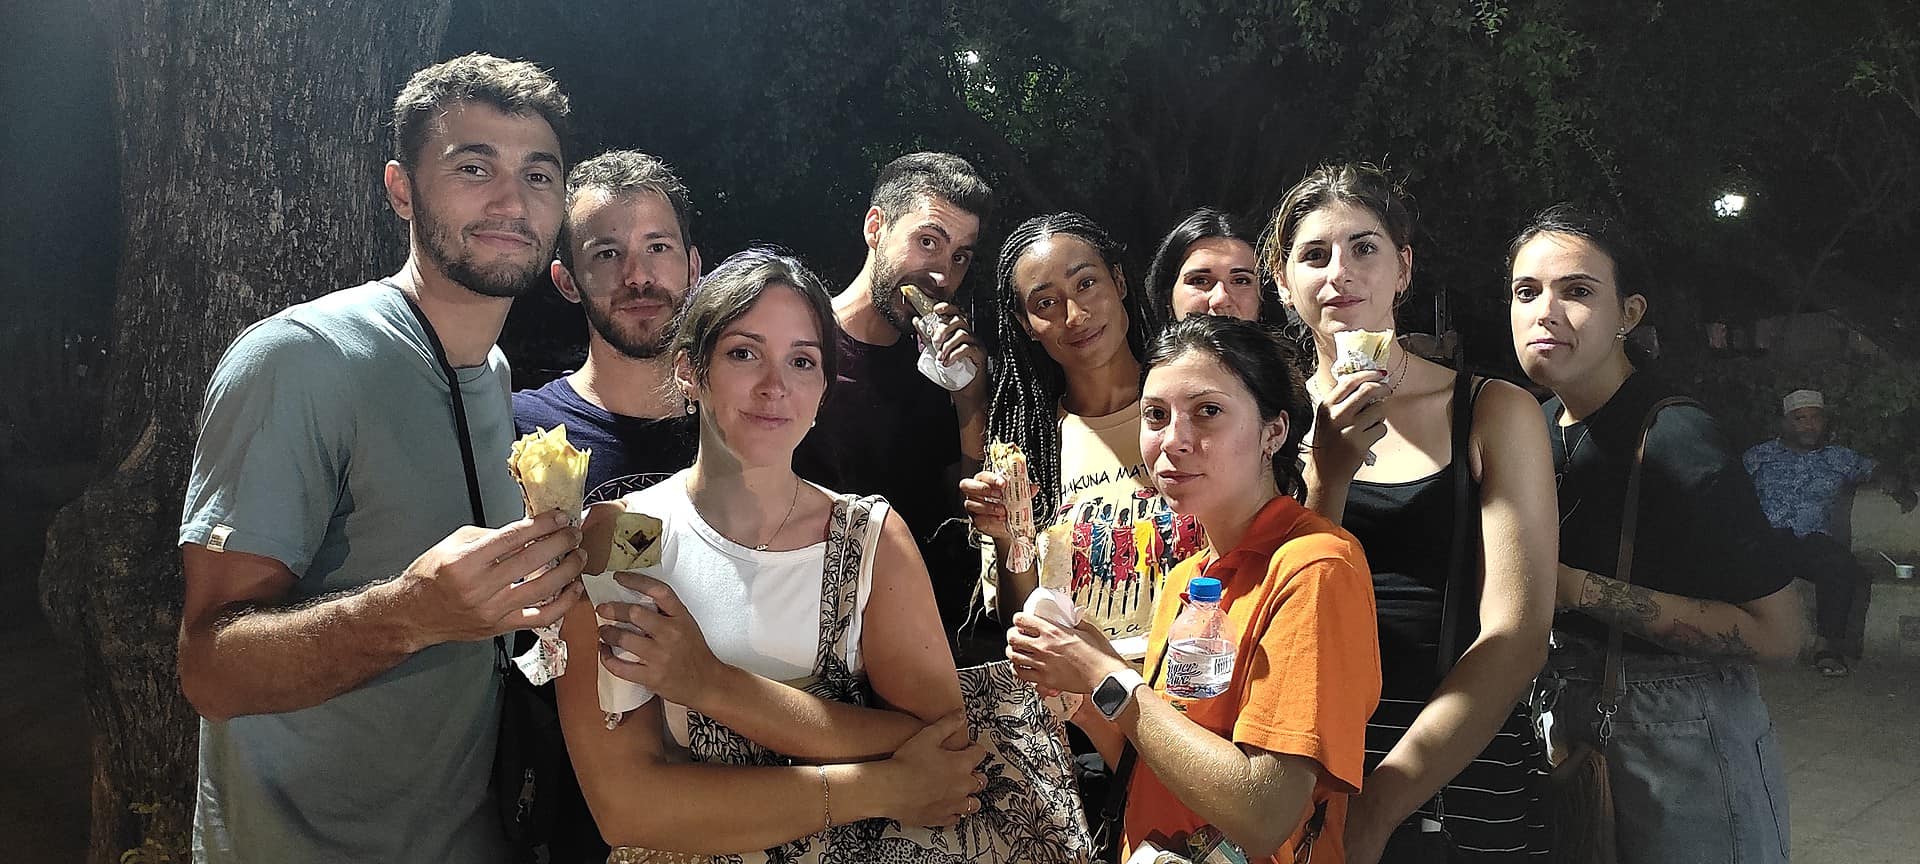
x=1361, y=350
x=1007, y=461
x=553, y=476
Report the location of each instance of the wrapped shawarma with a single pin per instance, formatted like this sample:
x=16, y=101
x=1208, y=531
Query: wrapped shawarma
x=553, y=476
x=1360, y=350
x=634, y=545
x=1007, y=461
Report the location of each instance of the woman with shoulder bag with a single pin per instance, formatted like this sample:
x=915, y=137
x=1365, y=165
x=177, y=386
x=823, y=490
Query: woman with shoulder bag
x=1669, y=585
x=776, y=605
x=1414, y=458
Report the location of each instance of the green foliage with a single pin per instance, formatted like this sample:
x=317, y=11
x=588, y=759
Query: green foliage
x=1874, y=405
x=1135, y=112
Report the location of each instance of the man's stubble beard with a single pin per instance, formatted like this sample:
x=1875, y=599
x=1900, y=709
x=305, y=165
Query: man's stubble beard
x=501, y=280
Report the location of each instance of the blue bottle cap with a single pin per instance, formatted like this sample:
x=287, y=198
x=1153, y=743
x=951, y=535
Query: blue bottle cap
x=1204, y=589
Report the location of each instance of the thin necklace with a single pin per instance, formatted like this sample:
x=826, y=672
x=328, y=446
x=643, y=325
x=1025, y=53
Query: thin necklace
x=1561, y=475
x=783, y=520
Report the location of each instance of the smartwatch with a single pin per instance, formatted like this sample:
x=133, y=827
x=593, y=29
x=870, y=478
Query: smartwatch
x=1115, y=692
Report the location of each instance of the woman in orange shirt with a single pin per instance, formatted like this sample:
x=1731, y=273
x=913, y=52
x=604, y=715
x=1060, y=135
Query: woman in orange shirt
x=1266, y=765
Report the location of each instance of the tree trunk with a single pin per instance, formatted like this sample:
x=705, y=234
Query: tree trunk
x=251, y=134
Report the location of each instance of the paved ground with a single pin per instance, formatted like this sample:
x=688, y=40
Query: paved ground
x=1853, y=746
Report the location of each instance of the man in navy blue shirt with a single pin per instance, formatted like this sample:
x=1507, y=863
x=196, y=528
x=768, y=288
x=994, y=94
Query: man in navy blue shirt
x=626, y=257
x=1803, y=480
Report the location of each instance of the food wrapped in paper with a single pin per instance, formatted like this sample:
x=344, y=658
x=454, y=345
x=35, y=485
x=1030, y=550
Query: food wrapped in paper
x=634, y=544
x=551, y=472
x=1360, y=350
x=1007, y=461
x=553, y=476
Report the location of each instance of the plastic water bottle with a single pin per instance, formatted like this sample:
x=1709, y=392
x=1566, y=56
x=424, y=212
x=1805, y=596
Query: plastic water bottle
x=1199, y=654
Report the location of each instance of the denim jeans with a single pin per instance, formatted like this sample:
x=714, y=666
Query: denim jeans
x=1694, y=762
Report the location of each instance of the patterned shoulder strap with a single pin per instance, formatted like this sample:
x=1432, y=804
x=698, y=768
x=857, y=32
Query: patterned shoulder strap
x=840, y=587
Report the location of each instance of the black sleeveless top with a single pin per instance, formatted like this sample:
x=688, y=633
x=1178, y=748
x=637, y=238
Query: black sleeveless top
x=1406, y=529
x=1493, y=812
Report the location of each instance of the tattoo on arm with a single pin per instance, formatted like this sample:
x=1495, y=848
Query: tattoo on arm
x=1689, y=639
x=1637, y=610
x=1618, y=603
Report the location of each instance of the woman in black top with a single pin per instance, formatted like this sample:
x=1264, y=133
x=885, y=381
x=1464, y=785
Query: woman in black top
x=1339, y=249
x=1694, y=767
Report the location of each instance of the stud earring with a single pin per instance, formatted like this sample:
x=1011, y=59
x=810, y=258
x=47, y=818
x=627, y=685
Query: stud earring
x=1621, y=334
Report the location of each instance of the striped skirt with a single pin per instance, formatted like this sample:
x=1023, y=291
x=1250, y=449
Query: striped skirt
x=1496, y=808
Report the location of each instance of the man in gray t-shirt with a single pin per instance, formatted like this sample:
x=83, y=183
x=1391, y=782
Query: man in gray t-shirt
x=336, y=636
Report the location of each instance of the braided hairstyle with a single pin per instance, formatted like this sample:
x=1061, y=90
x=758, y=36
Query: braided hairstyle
x=1028, y=384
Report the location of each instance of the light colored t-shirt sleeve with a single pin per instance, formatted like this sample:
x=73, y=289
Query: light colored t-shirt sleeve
x=271, y=456
x=1315, y=672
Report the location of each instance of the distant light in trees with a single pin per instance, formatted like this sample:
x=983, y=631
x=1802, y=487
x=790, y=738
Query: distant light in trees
x=970, y=57
x=1729, y=205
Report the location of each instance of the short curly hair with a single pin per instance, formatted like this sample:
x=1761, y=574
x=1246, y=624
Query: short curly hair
x=513, y=86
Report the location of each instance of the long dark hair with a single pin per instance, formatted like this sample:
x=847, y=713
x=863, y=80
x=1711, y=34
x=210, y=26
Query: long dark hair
x=1262, y=362
x=1202, y=224
x=1027, y=383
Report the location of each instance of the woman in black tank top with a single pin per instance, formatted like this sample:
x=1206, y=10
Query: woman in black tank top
x=1450, y=746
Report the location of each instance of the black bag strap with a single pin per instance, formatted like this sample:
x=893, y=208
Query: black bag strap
x=1623, y=565
x=1466, y=524
x=465, y=437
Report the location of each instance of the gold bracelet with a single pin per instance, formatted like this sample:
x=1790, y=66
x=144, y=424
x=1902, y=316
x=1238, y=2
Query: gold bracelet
x=826, y=798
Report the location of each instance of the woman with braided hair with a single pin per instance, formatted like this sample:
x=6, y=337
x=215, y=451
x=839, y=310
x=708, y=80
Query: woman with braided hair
x=1067, y=393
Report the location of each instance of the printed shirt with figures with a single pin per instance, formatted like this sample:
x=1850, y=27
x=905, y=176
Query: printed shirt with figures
x=1124, y=537
x=1299, y=605
x=1798, y=490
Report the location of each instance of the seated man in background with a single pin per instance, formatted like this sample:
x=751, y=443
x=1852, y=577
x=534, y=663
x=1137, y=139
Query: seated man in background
x=1804, y=481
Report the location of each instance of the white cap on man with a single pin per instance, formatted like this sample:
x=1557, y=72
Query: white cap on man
x=1799, y=399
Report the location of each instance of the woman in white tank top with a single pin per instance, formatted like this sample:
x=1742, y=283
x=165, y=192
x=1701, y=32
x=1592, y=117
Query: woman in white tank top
x=779, y=603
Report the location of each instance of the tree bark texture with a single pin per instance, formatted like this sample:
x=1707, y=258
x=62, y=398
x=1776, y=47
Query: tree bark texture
x=251, y=135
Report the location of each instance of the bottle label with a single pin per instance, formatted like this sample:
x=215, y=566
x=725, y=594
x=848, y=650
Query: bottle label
x=1199, y=668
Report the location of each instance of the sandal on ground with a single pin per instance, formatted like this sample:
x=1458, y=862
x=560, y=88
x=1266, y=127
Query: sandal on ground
x=1831, y=664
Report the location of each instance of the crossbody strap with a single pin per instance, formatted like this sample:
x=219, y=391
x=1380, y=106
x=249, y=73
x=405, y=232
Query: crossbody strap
x=1466, y=525
x=465, y=438
x=1623, y=565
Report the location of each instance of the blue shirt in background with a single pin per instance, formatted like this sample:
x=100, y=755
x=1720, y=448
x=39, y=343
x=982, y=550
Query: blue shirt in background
x=1798, y=490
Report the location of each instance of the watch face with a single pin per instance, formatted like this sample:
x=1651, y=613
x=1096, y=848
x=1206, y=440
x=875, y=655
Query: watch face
x=1110, y=697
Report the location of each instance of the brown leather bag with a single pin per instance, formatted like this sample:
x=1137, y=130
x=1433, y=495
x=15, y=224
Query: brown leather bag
x=1583, y=815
